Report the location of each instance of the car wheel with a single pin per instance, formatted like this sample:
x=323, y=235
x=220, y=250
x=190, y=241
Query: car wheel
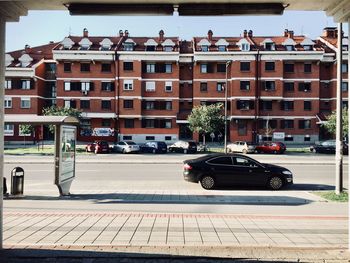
x=96, y=151
x=228, y=150
x=244, y=151
x=185, y=151
x=314, y=151
x=207, y=182
x=154, y=151
x=274, y=152
x=124, y=151
x=275, y=183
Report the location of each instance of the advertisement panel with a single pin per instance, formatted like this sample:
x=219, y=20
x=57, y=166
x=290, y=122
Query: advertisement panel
x=278, y=135
x=67, y=153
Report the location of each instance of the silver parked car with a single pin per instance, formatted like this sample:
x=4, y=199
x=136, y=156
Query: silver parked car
x=241, y=146
x=126, y=147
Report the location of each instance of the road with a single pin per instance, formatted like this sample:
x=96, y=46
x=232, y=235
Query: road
x=161, y=188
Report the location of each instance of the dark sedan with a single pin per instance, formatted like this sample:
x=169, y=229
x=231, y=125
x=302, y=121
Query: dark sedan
x=235, y=169
x=328, y=147
x=154, y=147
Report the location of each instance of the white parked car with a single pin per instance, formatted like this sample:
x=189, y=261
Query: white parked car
x=241, y=146
x=126, y=147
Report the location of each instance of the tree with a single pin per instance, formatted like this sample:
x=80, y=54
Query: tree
x=25, y=129
x=206, y=119
x=330, y=125
x=61, y=111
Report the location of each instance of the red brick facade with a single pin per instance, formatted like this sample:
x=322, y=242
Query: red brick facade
x=143, y=88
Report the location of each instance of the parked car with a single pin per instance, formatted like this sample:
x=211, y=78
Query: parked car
x=271, y=147
x=241, y=146
x=235, y=169
x=328, y=147
x=183, y=147
x=126, y=147
x=154, y=147
x=98, y=147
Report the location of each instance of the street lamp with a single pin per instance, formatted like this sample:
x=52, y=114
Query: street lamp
x=228, y=63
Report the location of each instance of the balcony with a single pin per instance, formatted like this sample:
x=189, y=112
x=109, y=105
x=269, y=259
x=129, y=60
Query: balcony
x=183, y=114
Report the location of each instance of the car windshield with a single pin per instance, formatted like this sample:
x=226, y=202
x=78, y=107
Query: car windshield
x=192, y=143
x=131, y=143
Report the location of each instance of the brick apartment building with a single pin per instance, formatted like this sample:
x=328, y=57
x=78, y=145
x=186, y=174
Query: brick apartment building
x=143, y=88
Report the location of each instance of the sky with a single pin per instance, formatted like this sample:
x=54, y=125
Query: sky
x=41, y=27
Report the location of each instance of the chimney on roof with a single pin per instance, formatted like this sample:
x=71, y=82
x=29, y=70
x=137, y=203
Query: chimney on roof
x=285, y=33
x=85, y=33
x=27, y=48
x=290, y=34
x=250, y=33
x=245, y=33
x=210, y=35
x=330, y=32
x=161, y=35
x=126, y=33
x=121, y=33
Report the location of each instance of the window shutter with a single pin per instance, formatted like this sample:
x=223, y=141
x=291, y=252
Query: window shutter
x=251, y=104
x=144, y=67
x=143, y=105
x=32, y=84
x=92, y=86
x=112, y=86
x=143, y=123
x=301, y=86
x=301, y=124
x=282, y=123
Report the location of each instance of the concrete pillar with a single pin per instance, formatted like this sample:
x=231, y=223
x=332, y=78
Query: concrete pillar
x=339, y=127
x=2, y=97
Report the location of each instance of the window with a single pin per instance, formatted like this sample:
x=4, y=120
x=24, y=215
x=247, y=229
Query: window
x=128, y=46
x=245, y=85
x=221, y=67
x=307, y=105
x=221, y=48
x=167, y=124
x=269, y=66
x=205, y=48
x=106, y=123
x=304, y=124
x=220, y=87
x=128, y=104
x=307, y=47
x=307, y=138
x=150, y=138
x=70, y=104
x=107, y=86
x=168, y=68
x=288, y=86
x=269, y=46
x=266, y=105
x=307, y=68
x=245, y=47
x=304, y=86
x=204, y=68
x=149, y=123
x=85, y=67
x=245, y=105
x=167, y=138
x=85, y=86
x=344, y=86
x=344, y=68
x=289, y=48
x=270, y=86
x=287, y=105
x=84, y=104
x=204, y=87
x=25, y=84
x=150, y=68
x=150, y=86
x=106, y=104
x=67, y=104
x=150, y=48
x=25, y=103
x=267, y=124
x=67, y=67
x=287, y=124
x=168, y=86
x=149, y=105
x=242, y=127
x=106, y=67
x=67, y=86
x=128, y=85
x=8, y=103
x=245, y=66
x=127, y=138
x=129, y=123
x=128, y=66
x=288, y=68
x=168, y=48
x=289, y=138
x=8, y=84
x=221, y=161
x=9, y=129
x=168, y=105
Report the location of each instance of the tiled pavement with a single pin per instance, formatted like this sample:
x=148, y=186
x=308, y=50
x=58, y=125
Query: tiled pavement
x=108, y=229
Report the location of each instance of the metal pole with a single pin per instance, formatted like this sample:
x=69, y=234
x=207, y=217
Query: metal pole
x=339, y=126
x=2, y=95
x=226, y=91
x=348, y=124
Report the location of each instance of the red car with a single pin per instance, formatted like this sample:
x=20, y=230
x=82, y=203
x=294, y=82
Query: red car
x=271, y=147
x=98, y=147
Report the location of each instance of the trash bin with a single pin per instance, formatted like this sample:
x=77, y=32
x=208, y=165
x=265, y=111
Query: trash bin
x=17, y=181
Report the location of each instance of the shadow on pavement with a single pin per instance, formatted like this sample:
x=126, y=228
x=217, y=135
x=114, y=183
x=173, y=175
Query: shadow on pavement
x=81, y=256
x=150, y=198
